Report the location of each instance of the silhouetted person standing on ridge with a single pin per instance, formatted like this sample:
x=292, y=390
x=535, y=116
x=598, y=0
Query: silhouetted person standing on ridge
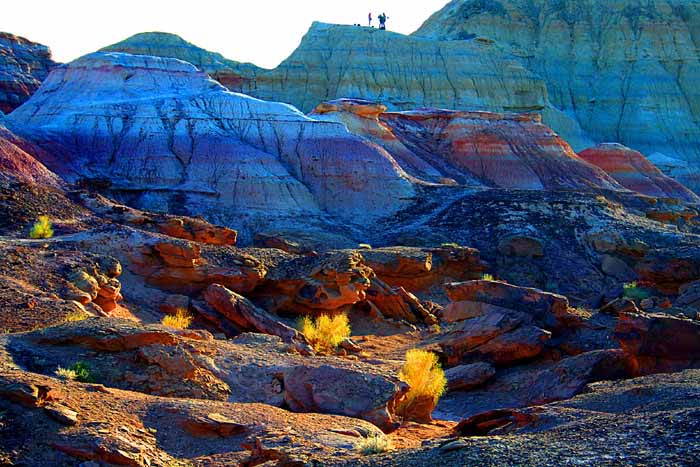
x=369, y=17
x=382, y=20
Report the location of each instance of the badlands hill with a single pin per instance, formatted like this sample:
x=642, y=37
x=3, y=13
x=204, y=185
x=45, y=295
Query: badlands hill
x=625, y=70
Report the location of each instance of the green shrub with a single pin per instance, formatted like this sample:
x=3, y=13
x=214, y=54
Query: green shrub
x=83, y=372
x=42, y=228
x=364, y=246
x=632, y=291
x=450, y=245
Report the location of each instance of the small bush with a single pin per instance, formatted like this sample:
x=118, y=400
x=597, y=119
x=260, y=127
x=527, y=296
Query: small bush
x=79, y=371
x=487, y=277
x=450, y=245
x=364, y=246
x=373, y=444
x=76, y=315
x=325, y=333
x=42, y=228
x=632, y=291
x=65, y=373
x=427, y=380
x=182, y=319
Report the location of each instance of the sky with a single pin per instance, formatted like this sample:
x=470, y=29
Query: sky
x=263, y=32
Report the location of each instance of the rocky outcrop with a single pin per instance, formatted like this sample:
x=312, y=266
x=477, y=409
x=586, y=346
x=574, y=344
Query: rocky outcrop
x=633, y=171
x=419, y=269
x=186, y=228
x=329, y=283
x=23, y=66
x=218, y=153
x=51, y=422
x=192, y=364
x=632, y=78
x=178, y=266
x=501, y=323
x=551, y=310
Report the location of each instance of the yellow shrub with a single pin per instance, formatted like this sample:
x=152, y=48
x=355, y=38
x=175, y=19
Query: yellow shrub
x=487, y=277
x=66, y=373
x=42, y=228
x=180, y=320
x=76, y=315
x=427, y=380
x=325, y=333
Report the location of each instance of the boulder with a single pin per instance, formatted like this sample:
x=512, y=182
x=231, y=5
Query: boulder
x=524, y=343
x=466, y=377
x=659, y=336
x=547, y=309
x=521, y=246
x=618, y=306
x=398, y=303
x=326, y=389
x=617, y=268
x=689, y=296
x=472, y=333
x=669, y=269
x=197, y=230
x=247, y=317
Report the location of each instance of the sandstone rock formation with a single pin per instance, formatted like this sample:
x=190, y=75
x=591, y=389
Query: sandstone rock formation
x=624, y=70
x=127, y=428
x=632, y=170
x=218, y=155
x=191, y=364
x=23, y=66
